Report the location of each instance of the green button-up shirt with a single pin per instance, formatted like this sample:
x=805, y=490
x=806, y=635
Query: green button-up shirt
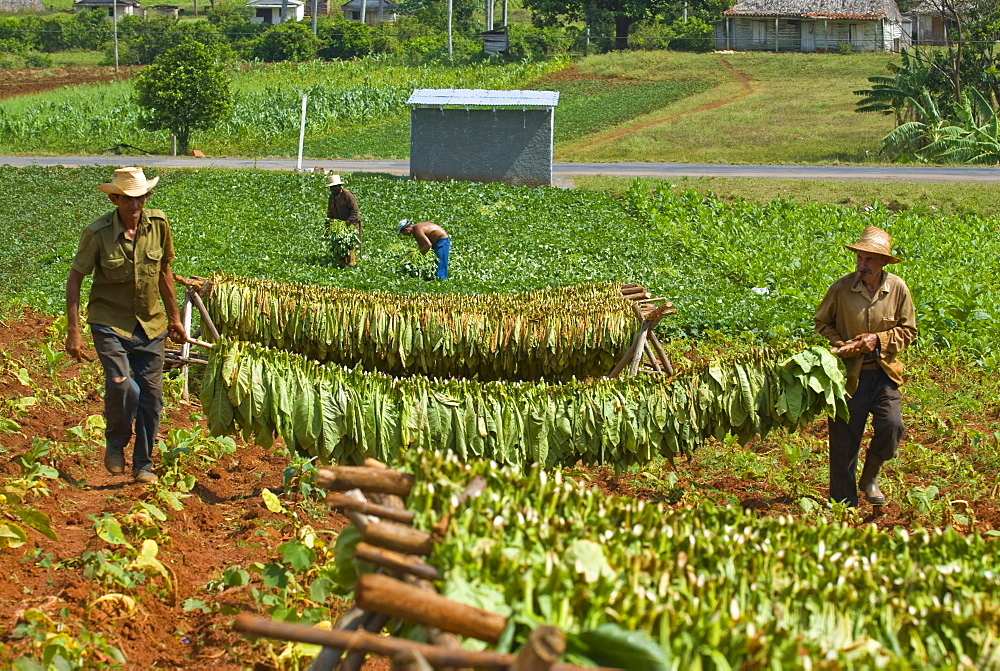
x=126, y=272
x=848, y=310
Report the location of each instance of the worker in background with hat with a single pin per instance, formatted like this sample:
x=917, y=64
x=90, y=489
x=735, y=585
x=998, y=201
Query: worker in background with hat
x=343, y=205
x=430, y=236
x=868, y=317
x=129, y=251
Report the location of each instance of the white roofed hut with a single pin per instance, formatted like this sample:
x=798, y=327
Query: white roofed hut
x=811, y=25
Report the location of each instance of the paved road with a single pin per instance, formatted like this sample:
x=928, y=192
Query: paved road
x=559, y=170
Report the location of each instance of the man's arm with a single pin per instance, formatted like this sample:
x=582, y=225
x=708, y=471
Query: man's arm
x=826, y=319
x=175, y=328
x=74, y=341
x=353, y=214
x=423, y=242
x=904, y=332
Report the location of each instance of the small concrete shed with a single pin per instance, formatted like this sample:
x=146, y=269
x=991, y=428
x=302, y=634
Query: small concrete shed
x=482, y=135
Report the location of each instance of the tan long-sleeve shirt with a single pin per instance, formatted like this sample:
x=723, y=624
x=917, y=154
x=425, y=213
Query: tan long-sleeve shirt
x=848, y=310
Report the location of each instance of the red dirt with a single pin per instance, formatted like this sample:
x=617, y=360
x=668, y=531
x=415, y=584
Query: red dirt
x=223, y=523
x=23, y=81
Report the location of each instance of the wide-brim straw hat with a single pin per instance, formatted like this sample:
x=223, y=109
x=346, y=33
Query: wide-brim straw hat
x=875, y=241
x=129, y=182
x=334, y=180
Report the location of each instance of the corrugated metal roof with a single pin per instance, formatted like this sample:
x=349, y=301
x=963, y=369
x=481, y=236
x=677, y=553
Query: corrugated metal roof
x=483, y=98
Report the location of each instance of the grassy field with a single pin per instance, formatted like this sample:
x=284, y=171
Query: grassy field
x=761, y=108
x=633, y=106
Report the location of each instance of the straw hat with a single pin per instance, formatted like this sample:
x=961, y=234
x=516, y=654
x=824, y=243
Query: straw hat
x=403, y=223
x=875, y=241
x=334, y=180
x=129, y=182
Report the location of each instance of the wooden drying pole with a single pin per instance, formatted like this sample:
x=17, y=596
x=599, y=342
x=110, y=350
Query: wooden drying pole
x=371, y=496
x=192, y=299
x=649, y=311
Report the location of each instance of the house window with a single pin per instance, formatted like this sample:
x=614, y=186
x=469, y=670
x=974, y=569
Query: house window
x=758, y=32
x=855, y=34
x=355, y=16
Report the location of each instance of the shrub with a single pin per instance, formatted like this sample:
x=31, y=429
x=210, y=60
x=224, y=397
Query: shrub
x=342, y=39
x=845, y=48
x=651, y=35
x=531, y=43
x=289, y=41
x=35, y=59
x=693, y=35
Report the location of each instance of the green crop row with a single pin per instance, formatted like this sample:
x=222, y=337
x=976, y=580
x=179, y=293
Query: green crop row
x=345, y=416
x=343, y=97
x=706, y=587
x=559, y=333
x=749, y=271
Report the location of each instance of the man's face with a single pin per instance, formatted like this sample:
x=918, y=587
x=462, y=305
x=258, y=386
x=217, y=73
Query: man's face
x=870, y=265
x=129, y=207
x=336, y=188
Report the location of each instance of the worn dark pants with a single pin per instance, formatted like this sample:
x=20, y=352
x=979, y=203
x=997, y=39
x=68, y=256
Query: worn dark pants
x=878, y=396
x=138, y=398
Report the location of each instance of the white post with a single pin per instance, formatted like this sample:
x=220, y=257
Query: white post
x=302, y=132
x=449, y=29
x=186, y=347
x=315, y=9
x=504, y=12
x=114, y=20
x=364, y=11
x=489, y=14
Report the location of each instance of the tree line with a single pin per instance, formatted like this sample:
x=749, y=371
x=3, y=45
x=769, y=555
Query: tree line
x=227, y=29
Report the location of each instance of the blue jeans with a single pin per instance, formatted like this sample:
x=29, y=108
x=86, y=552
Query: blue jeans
x=138, y=398
x=441, y=249
x=878, y=396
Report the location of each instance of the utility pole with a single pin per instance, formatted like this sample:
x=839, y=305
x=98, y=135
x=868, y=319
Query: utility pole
x=449, y=29
x=315, y=9
x=114, y=21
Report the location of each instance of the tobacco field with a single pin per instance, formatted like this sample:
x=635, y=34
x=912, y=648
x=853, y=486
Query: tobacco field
x=661, y=523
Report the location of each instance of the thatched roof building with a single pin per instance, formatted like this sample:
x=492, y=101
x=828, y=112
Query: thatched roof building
x=865, y=10
x=811, y=25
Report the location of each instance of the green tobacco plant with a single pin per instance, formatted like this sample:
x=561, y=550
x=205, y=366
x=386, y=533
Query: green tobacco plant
x=704, y=586
x=15, y=514
x=345, y=416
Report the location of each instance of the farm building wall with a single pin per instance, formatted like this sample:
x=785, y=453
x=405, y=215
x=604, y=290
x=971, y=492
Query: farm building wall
x=758, y=34
x=512, y=146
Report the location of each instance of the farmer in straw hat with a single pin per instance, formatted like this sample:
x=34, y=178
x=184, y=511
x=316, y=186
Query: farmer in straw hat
x=343, y=205
x=868, y=317
x=129, y=251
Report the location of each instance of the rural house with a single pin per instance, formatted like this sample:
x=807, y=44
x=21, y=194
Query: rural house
x=269, y=11
x=928, y=24
x=811, y=25
x=376, y=11
x=123, y=7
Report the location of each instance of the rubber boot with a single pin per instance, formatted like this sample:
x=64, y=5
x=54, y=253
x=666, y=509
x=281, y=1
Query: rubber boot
x=868, y=483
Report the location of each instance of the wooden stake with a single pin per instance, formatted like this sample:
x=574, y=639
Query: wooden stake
x=396, y=561
x=387, y=481
x=545, y=644
x=342, y=502
x=383, y=645
x=398, y=538
x=388, y=596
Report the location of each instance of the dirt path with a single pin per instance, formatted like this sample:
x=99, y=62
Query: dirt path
x=24, y=81
x=741, y=78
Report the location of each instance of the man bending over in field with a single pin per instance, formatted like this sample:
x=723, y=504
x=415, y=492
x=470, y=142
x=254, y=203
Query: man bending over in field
x=868, y=317
x=430, y=236
x=129, y=251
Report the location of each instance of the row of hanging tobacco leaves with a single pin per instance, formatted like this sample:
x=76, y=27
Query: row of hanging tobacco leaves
x=642, y=587
x=344, y=416
x=577, y=331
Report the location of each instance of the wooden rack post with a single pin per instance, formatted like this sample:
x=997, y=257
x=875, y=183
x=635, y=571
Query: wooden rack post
x=192, y=299
x=649, y=311
x=401, y=588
